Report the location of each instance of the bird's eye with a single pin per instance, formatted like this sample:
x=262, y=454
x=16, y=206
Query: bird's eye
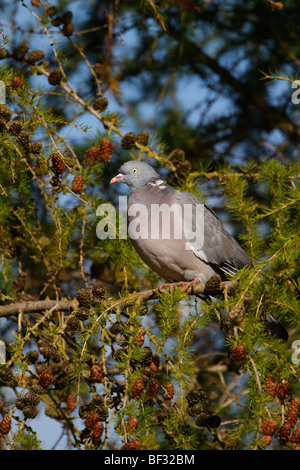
x=134, y=170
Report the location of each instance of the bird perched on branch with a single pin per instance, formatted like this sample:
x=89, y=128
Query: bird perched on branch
x=175, y=233
x=178, y=236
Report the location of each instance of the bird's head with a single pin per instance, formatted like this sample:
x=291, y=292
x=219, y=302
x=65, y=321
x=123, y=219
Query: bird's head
x=136, y=174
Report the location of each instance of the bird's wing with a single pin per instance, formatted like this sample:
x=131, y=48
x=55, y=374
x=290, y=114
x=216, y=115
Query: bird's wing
x=207, y=237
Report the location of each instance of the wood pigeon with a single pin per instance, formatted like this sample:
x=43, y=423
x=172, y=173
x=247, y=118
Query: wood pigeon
x=163, y=224
x=156, y=210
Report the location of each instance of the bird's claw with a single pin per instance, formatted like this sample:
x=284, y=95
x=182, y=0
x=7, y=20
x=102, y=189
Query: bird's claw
x=185, y=285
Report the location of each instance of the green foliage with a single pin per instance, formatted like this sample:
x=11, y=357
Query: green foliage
x=91, y=340
x=26, y=440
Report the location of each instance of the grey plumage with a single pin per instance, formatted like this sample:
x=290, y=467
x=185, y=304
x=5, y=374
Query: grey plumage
x=178, y=259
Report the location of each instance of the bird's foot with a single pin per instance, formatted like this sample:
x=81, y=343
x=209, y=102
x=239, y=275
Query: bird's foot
x=167, y=286
x=185, y=285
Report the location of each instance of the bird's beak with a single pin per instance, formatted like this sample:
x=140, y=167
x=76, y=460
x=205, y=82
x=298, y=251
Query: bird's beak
x=117, y=178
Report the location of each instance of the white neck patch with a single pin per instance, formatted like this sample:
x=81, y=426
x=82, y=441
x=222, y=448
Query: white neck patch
x=160, y=183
